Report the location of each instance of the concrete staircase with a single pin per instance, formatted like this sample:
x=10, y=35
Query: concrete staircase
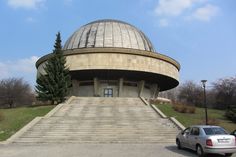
x=102, y=120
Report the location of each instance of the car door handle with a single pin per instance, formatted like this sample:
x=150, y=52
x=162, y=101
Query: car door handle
x=196, y=138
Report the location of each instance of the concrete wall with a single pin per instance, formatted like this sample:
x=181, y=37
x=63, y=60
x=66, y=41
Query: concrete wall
x=127, y=91
x=121, y=62
x=118, y=59
x=75, y=87
x=85, y=91
x=130, y=91
x=146, y=93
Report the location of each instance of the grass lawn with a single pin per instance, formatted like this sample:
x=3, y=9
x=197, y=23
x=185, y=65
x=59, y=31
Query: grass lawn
x=198, y=117
x=16, y=118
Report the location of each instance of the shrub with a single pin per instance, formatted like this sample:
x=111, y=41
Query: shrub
x=211, y=121
x=182, y=108
x=1, y=116
x=154, y=101
x=191, y=109
x=231, y=114
x=175, y=107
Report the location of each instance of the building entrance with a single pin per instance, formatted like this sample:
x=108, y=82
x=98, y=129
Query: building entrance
x=108, y=92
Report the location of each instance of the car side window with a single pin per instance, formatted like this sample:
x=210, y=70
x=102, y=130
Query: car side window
x=234, y=132
x=195, y=131
x=186, y=131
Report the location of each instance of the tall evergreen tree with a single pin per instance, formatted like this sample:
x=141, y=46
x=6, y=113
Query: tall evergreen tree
x=54, y=85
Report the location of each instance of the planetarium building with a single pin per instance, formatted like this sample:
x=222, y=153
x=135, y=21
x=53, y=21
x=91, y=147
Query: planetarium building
x=110, y=58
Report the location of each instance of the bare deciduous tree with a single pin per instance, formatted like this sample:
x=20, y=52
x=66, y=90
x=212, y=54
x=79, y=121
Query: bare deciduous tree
x=15, y=92
x=222, y=95
x=225, y=90
x=190, y=93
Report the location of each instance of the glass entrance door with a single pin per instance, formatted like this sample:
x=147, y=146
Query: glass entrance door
x=108, y=92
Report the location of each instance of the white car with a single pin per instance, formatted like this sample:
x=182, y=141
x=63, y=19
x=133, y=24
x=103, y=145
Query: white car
x=207, y=139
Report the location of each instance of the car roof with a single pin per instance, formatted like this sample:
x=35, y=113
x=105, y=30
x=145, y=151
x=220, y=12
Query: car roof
x=205, y=126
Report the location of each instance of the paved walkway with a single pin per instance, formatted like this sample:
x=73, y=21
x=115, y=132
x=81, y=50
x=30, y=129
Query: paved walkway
x=93, y=150
x=96, y=150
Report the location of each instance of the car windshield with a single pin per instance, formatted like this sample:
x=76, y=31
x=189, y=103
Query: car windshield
x=214, y=131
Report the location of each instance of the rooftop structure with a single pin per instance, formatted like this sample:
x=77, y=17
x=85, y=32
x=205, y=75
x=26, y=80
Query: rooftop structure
x=109, y=33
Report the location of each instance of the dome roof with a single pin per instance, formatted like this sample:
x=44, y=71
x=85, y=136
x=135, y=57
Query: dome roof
x=109, y=33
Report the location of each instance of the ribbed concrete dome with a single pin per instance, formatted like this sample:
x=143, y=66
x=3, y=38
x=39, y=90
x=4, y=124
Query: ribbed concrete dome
x=109, y=33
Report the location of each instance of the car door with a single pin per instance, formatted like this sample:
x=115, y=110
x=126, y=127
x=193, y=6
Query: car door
x=193, y=137
x=184, y=137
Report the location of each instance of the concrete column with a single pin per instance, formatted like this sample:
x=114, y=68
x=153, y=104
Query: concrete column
x=95, y=84
x=155, y=91
x=141, y=86
x=75, y=88
x=120, y=92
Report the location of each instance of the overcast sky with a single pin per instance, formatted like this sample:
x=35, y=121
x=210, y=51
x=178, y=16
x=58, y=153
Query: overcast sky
x=199, y=34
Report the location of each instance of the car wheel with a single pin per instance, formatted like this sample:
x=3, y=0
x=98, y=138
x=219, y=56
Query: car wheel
x=178, y=144
x=228, y=154
x=200, y=152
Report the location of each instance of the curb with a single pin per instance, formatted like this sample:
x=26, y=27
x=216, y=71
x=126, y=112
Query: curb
x=70, y=99
x=145, y=101
x=177, y=123
x=159, y=111
x=172, y=119
x=49, y=114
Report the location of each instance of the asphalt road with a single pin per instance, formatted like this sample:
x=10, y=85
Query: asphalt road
x=95, y=150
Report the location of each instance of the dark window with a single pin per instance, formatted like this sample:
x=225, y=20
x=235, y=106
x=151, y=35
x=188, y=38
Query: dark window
x=134, y=84
x=112, y=83
x=194, y=131
x=109, y=82
x=215, y=131
x=234, y=132
x=147, y=86
x=186, y=131
x=108, y=92
x=86, y=83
